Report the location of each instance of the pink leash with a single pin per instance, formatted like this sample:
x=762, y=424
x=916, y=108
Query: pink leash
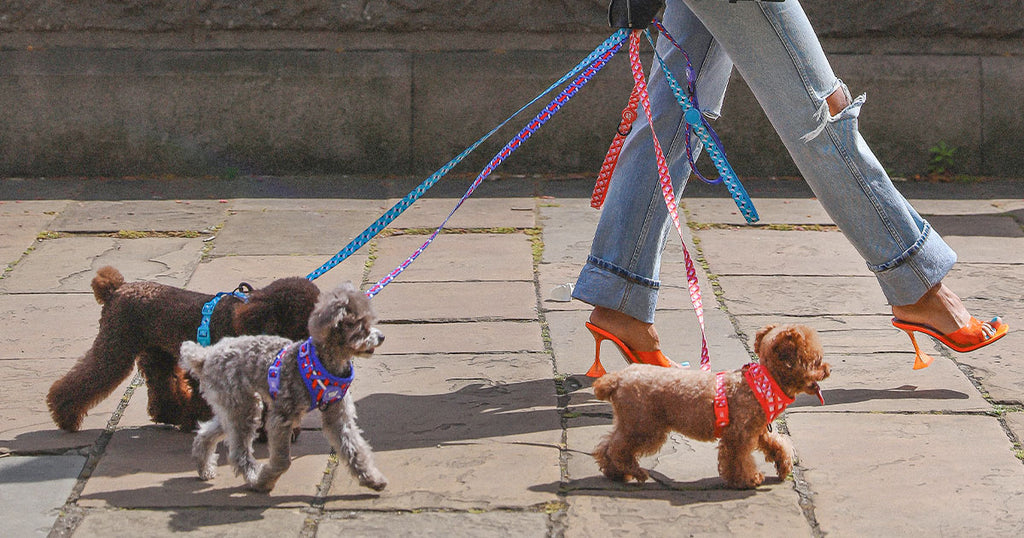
x=640, y=95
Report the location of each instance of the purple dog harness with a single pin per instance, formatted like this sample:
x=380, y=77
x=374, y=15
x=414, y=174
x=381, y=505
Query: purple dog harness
x=324, y=388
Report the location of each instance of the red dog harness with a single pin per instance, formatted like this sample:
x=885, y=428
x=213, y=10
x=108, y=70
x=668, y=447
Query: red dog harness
x=768, y=393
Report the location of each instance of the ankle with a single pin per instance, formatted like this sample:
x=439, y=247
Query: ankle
x=638, y=335
x=938, y=308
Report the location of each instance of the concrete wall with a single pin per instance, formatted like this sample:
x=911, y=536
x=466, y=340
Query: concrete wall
x=134, y=87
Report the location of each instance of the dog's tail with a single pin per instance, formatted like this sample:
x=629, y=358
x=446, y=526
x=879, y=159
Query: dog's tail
x=605, y=386
x=105, y=283
x=192, y=358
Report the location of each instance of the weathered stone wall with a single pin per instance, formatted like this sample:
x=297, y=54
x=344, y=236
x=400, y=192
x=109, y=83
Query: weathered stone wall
x=108, y=87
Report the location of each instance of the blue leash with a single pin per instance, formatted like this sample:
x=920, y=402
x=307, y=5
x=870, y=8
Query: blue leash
x=370, y=232
x=696, y=122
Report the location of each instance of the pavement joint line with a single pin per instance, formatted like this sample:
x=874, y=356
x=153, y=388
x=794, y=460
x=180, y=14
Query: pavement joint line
x=800, y=484
x=71, y=514
x=556, y=523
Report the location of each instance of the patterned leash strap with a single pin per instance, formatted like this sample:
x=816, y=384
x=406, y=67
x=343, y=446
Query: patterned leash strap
x=670, y=199
x=695, y=124
x=540, y=119
x=614, y=41
x=712, y=144
x=611, y=159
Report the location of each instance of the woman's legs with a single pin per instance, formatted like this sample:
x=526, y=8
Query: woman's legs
x=620, y=277
x=777, y=52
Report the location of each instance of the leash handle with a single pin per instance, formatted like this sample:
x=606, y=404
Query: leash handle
x=670, y=200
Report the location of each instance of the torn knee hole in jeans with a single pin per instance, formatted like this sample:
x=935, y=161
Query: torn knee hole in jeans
x=838, y=106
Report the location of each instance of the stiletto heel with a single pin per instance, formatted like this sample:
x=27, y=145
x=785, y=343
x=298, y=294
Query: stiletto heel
x=656, y=357
x=975, y=335
x=921, y=359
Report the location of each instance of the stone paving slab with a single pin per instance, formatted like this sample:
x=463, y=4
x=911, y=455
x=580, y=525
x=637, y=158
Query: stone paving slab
x=931, y=208
x=886, y=382
x=25, y=422
x=21, y=223
x=309, y=204
x=255, y=232
x=47, y=325
x=140, y=215
x=910, y=475
x=568, y=230
x=771, y=211
x=978, y=250
x=475, y=213
x=33, y=489
x=457, y=432
x=842, y=334
x=670, y=513
x=484, y=474
x=450, y=338
x=409, y=402
x=1002, y=226
x=450, y=301
x=456, y=257
x=759, y=251
x=802, y=296
x=225, y=273
x=151, y=467
x=1015, y=422
x=999, y=368
x=413, y=525
x=69, y=264
x=200, y=522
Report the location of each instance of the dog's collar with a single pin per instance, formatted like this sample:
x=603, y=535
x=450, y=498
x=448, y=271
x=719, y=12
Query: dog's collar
x=769, y=395
x=324, y=388
x=203, y=332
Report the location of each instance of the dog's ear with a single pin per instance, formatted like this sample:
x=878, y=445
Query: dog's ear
x=760, y=336
x=787, y=344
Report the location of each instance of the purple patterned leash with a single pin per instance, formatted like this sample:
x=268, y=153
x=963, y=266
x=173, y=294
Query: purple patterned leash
x=553, y=107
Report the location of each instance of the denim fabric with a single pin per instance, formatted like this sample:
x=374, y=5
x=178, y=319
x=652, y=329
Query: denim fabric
x=775, y=50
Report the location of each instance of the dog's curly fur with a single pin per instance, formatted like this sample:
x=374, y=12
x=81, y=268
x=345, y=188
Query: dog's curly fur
x=651, y=401
x=233, y=378
x=147, y=322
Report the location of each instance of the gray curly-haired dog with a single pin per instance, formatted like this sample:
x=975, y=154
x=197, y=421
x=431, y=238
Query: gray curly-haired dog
x=240, y=375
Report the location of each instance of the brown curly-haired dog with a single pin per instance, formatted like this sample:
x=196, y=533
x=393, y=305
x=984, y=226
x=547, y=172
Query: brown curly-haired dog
x=651, y=401
x=147, y=322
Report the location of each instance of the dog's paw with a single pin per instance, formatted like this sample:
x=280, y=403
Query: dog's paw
x=639, y=475
x=207, y=470
x=376, y=482
x=783, y=467
x=263, y=487
x=746, y=482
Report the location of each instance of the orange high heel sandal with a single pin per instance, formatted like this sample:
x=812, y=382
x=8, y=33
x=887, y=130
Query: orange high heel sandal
x=975, y=335
x=656, y=357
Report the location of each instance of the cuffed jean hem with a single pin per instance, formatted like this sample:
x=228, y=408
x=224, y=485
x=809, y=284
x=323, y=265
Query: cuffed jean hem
x=907, y=277
x=603, y=284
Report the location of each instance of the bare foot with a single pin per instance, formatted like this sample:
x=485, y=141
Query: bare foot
x=939, y=308
x=636, y=334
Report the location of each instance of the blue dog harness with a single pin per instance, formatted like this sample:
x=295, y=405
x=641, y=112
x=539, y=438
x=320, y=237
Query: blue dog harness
x=203, y=332
x=324, y=388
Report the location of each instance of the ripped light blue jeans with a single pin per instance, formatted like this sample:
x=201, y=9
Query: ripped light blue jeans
x=774, y=48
